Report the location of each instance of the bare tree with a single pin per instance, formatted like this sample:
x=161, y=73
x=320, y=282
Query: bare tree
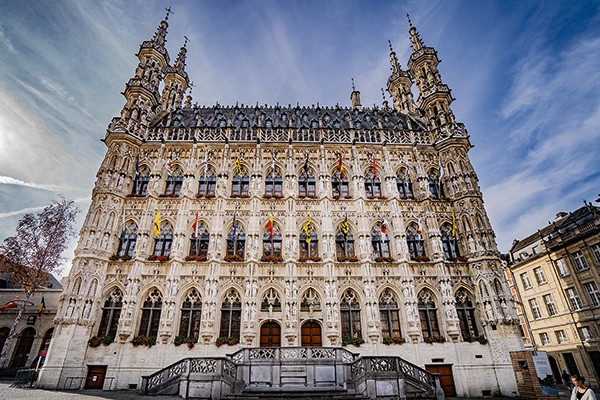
x=35, y=252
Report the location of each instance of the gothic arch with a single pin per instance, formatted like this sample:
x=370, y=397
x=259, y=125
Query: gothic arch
x=243, y=170
x=277, y=288
x=93, y=287
x=110, y=221
x=391, y=288
x=484, y=289
x=186, y=289
x=147, y=289
x=268, y=169
x=425, y=288
x=466, y=289
x=110, y=287
x=222, y=293
x=76, y=288
x=359, y=292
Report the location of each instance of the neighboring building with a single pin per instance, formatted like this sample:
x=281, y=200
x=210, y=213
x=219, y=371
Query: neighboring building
x=286, y=226
x=35, y=329
x=557, y=283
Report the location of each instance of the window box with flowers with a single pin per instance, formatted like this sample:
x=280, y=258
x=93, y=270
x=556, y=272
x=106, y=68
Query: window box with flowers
x=272, y=196
x=376, y=197
x=143, y=340
x=475, y=338
x=348, y=259
x=394, y=340
x=240, y=196
x=169, y=195
x=341, y=197
x=159, y=258
x=228, y=340
x=136, y=195
x=116, y=257
x=233, y=258
x=434, y=339
x=196, y=258
x=205, y=196
x=307, y=196
x=421, y=259
x=405, y=198
x=305, y=259
x=383, y=259
x=96, y=341
x=272, y=259
x=189, y=341
x=355, y=341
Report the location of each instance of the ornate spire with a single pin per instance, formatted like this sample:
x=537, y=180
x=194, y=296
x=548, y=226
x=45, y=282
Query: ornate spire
x=160, y=37
x=396, y=69
x=180, y=62
x=355, y=96
x=415, y=38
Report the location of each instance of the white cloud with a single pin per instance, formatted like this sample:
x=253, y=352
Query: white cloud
x=7, y=180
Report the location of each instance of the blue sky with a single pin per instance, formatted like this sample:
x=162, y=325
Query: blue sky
x=525, y=76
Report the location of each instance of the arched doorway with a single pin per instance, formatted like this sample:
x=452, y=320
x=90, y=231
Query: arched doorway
x=311, y=334
x=23, y=348
x=555, y=370
x=270, y=334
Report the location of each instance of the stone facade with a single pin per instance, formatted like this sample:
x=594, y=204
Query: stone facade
x=555, y=278
x=286, y=226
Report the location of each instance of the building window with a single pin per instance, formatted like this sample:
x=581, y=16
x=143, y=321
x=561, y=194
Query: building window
x=544, y=338
x=272, y=244
x=596, y=252
x=140, y=186
x=574, y=299
x=350, y=314
x=561, y=336
x=240, y=183
x=236, y=243
x=339, y=186
x=404, y=184
x=540, y=277
x=449, y=242
x=593, y=293
x=306, y=184
x=585, y=333
x=389, y=314
x=561, y=267
x=433, y=180
x=273, y=185
x=231, y=315
x=174, y=183
x=311, y=301
x=270, y=301
x=535, y=309
x=199, y=243
x=162, y=244
x=151, y=314
x=127, y=240
x=414, y=241
x=111, y=313
x=526, y=281
x=550, y=306
x=380, y=242
x=428, y=315
x=466, y=314
x=344, y=243
x=309, y=243
x=207, y=184
x=579, y=260
x=191, y=311
x=372, y=185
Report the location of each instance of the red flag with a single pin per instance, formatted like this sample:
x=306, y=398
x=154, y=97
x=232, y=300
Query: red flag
x=270, y=226
x=341, y=166
x=420, y=227
x=374, y=166
x=383, y=228
x=195, y=226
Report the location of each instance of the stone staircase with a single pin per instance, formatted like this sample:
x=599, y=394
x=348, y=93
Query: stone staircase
x=294, y=373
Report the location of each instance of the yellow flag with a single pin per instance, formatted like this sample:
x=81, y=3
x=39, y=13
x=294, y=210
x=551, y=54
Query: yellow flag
x=238, y=166
x=307, y=229
x=453, y=225
x=157, y=223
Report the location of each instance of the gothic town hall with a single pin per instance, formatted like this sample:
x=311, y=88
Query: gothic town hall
x=231, y=249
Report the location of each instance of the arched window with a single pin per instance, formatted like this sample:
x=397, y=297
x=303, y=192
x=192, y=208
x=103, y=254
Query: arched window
x=127, y=240
x=142, y=178
x=151, y=314
x=372, y=185
x=270, y=301
x=272, y=245
x=498, y=287
x=448, y=242
x=404, y=184
x=389, y=314
x=433, y=179
x=191, y=311
x=428, y=315
x=162, y=243
x=339, y=186
x=416, y=249
x=231, y=315
x=380, y=242
x=240, y=183
x=309, y=243
x=311, y=301
x=344, y=243
x=174, y=182
x=306, y=184
x=199, y=243
x=207, y=184
x=466, y=314
x=3, y=336
x=273, y=184
x=350, y=314
x=236, y=243
x=111, y=313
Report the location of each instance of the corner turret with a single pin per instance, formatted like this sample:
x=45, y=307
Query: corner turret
x=399, y=86
x=176, y=82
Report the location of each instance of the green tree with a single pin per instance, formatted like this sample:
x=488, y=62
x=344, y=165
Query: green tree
x=35, y=252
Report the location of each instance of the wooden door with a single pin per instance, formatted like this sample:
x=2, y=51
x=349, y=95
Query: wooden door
x=446, y=378
x=95, y=377
x=270, y=335
x=311, y=334
x=23, y=348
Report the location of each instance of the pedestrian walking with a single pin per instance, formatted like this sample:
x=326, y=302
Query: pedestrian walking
x=580, y=391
